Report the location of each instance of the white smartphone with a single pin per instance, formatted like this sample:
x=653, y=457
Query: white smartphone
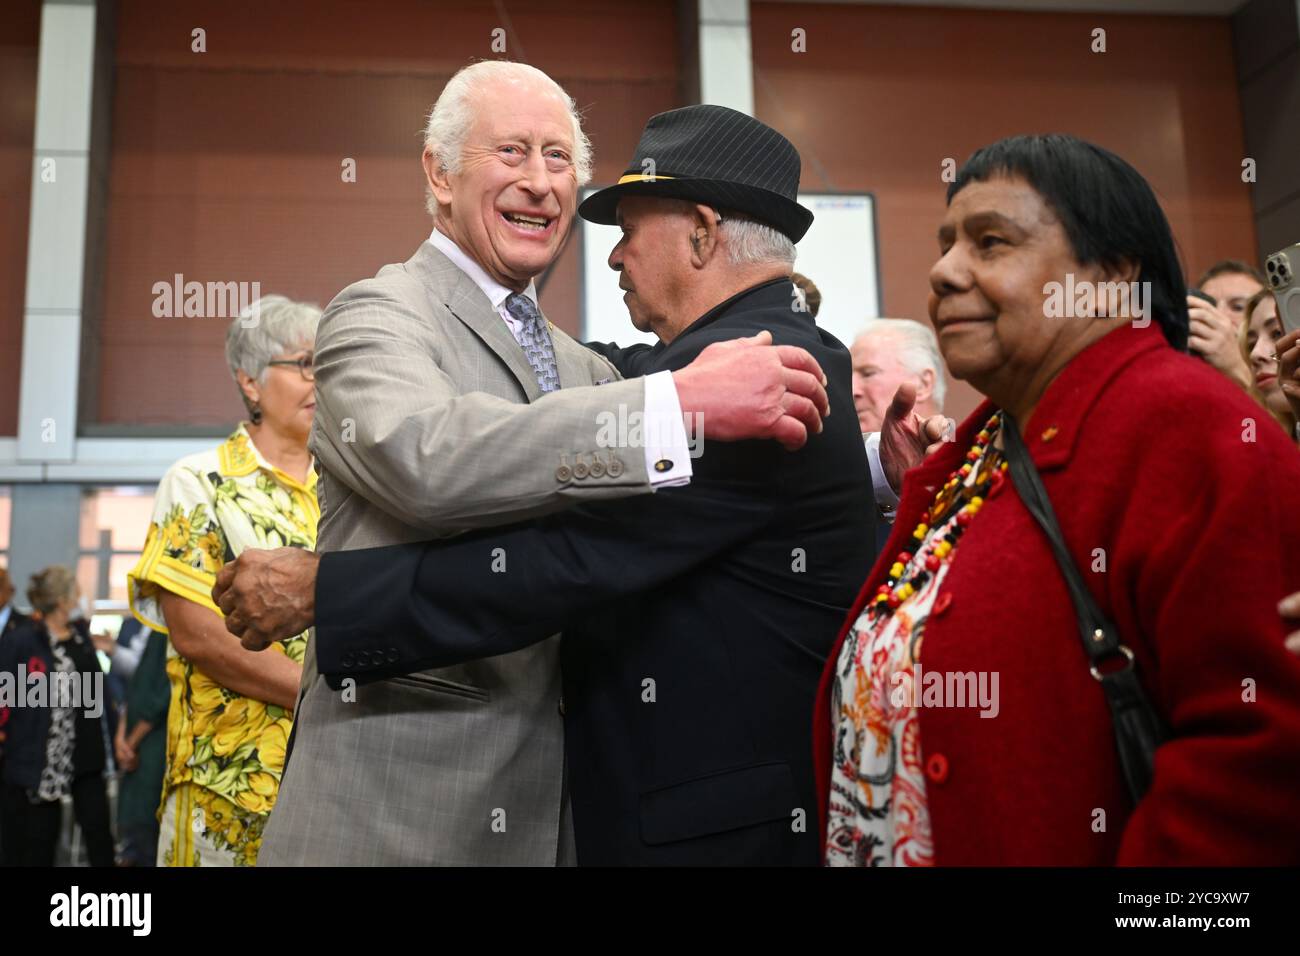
x=1281, y=268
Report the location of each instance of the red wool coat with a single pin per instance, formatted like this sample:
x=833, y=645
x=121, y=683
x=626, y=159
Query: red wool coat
x=1145, y=454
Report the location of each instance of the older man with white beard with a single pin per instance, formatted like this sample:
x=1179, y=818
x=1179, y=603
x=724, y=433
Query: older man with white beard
x=445, y=402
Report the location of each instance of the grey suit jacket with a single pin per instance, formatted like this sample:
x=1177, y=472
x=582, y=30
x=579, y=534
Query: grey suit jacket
x=429, y=422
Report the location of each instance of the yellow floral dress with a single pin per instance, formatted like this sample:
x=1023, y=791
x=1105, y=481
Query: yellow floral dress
x=225, y=752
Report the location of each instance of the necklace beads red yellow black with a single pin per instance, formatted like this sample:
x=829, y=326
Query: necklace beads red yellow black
x=957, y=496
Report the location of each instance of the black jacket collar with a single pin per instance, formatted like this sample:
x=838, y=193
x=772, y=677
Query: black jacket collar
x=775, y=293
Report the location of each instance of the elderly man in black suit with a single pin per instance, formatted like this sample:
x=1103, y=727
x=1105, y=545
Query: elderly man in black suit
x=695, y=620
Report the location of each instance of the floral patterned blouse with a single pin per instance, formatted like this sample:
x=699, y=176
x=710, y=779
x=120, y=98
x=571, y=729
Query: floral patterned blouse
x=878, y=813
x=210, y=507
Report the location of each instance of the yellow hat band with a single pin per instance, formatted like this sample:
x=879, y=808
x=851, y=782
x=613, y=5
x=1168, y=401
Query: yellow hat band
x=641, y=178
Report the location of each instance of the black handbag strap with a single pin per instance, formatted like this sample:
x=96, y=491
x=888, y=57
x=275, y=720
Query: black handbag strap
x=1138, y=728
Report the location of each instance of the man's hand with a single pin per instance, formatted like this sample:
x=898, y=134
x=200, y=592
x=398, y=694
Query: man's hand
x=906, y=438
x=749, y=388
x=1288, y=369
x=268, y=596
x=1213, y=336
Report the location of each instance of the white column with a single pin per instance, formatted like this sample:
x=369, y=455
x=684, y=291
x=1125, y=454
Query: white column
x=726, y=61
x=47, y=404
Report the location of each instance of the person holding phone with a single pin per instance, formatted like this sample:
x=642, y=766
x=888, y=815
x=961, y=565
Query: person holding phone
x=1212, y=335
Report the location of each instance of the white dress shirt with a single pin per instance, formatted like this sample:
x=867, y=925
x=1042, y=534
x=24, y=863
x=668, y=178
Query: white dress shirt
x=126, y=657
x=664, y=431
x=886, y=497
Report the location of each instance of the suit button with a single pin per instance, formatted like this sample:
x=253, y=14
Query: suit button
x=941, y=604
x=347, y=660
x=561, y=705
x=563, y=473
x=580, y=469
x=597, y=468
x=936, y=768
x=615, y=467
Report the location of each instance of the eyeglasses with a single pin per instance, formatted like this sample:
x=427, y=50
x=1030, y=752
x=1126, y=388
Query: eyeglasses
x=304, y=366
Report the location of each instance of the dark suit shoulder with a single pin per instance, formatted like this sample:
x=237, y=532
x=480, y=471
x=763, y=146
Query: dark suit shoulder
x=766, y=308
x=24, y=640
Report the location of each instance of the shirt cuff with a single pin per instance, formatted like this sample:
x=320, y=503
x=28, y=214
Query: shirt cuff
x=667, y=454
x=126, y=659
x=886, y=499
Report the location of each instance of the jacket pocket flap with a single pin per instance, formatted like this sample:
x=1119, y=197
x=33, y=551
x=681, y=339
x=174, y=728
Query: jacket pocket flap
x=717, y=803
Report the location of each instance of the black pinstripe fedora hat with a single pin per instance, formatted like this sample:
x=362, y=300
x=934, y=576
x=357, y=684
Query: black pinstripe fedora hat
x=715, y=156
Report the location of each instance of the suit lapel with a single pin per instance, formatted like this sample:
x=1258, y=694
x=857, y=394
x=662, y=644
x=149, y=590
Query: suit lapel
x=467, y=302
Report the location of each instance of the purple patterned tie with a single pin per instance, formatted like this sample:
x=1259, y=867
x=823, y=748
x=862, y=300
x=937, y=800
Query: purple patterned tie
x=536, y=341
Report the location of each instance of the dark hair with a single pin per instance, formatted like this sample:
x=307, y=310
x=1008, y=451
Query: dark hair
x=812, y=295
x=1107, y=209
x=1226, y=267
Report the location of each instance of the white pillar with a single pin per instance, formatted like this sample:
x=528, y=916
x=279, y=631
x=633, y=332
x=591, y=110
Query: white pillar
x=726, y=61
x=47, y=404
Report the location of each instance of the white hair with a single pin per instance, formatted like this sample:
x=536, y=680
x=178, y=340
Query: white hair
x=749, y=242
x=452, y=116
x=918, y=350
x=271, y=326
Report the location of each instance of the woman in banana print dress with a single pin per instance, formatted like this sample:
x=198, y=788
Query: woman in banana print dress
x=230, y=712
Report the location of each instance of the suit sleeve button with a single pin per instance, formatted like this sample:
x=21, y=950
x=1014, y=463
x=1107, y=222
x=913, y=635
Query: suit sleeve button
x=580, y=469
x=563, y=473
x=598, y=469
x=615, y=467
x=347, y=661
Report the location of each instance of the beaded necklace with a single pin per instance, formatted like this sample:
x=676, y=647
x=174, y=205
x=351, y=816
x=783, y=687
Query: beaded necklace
x=907, y=575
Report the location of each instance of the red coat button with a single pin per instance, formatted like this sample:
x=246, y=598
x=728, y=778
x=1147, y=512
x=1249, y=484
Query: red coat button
x=999, y=479
x=941, y=604
x=936, y=768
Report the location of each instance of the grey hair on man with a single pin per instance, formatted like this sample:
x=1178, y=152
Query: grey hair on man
x=452, y=116
x=749, y=242
x=273, y=325
x=917, y=351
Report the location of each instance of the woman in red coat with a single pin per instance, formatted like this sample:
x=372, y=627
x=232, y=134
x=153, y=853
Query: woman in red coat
x=958, y=722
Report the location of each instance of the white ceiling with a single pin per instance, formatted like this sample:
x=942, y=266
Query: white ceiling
x=1182, y=7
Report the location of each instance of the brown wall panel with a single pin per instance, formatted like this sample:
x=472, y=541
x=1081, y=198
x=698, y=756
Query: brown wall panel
x=19, y=47
x=884, y=94
x=226, y=164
